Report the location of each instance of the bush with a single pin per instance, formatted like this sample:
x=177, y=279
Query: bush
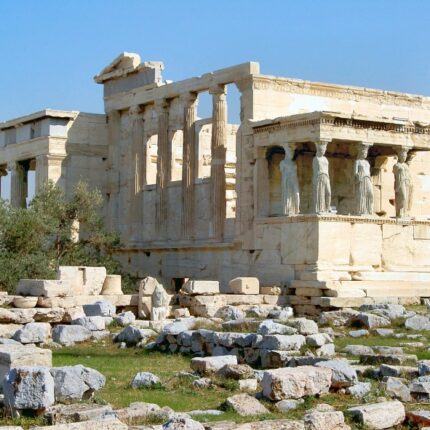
x=36, y=240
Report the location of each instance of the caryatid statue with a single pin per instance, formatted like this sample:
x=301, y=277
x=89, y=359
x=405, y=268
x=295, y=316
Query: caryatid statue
x=363, y=183
x=321, y=180
x=290, y=183
x=403, y=187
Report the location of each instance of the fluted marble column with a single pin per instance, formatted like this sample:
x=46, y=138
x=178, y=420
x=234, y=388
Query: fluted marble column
x=163, y=167
x=219, y=149
x=18, y=193
x=189, y=164
x=137, y=166
x=114, y=137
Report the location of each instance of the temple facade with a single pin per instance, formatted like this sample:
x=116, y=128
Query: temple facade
x=323, y=188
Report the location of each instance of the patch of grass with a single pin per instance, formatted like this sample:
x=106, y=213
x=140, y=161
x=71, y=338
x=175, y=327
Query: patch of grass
x=121, y=365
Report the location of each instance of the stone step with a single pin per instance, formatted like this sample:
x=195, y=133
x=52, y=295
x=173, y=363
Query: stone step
x=391, y=276
x=354, y=302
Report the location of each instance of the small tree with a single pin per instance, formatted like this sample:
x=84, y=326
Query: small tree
x=36, y=240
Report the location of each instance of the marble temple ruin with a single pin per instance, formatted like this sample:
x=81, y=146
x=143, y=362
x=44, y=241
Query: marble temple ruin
x=322, y=189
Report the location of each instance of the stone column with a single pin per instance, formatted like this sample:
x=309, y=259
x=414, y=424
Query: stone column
x=163, y=167
x=189, y=164
x=219, y=149
x=135, y=213
x=18, y=193
x=112, y=189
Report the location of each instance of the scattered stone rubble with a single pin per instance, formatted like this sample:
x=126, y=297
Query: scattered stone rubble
x=275, y=358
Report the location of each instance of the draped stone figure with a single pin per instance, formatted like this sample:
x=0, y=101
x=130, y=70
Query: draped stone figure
x=403, y=187
x=363, y=183
x=321, y=180
x=290, y=184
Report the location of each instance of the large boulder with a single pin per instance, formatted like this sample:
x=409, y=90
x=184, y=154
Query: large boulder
x=125, y=318
x=236, y=371
x=91, y=323
x=144, y=380
x=28, y=388
x=305, y=326
x=272, y=327
x=133, y=335
x=76, y=382
x=324, y=417
x=245, y=405
x=182, y=423
x=200, y=288
x=370, y=321
x=69, y=334
x=418, y=322
x=296, y=382
x=208, y=365
x=343, y=375
x=36, y=332
x=281, y=342
x=101, y=308
x=228, y=313
x=245, y=285
x=383, y=415
x=23, y=355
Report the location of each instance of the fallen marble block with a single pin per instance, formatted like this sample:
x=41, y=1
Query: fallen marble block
x=296, y=382
x=23, y=355
x=28, y=388
x=44, y=288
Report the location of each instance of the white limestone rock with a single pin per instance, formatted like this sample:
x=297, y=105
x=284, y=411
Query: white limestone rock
x=102, y=308
x=36, y=332
x=133, y=335
x=360, y=389
x=91, y=323
x=272, y=327
x=296, y=382
x=370, y=321
x=77, y=412
x=208, y=365
x=144, y=380
x=200, y=288
x=44, y=288
x=281, y=314
x=97, y=424
x=8, y=330
x=180, y=423
x=245, y=285
x=245, y=405
x=317, y=340
x=281, y=342
x=69, y=334
x=125, y=318
x=76, y=382
x=288, y=405
x=305, y=326
x=23, y=355
x=383, y=415
x=418, y=322
x=324, y=417
x=28, y=388
x=228, y=313
x=343, y=374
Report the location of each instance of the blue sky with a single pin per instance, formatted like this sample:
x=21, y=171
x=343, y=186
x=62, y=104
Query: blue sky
x=51, y=49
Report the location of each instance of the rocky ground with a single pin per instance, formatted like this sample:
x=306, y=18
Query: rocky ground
x=353, y=368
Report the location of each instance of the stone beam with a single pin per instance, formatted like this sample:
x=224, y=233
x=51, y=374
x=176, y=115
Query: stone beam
x=144, y=95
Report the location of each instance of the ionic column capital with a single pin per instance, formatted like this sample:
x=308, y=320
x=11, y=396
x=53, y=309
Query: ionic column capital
x=188, y=99
x=218, y=90
x=161, y=105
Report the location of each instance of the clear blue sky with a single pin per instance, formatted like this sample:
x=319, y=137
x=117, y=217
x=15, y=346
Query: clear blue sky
x=51, y=49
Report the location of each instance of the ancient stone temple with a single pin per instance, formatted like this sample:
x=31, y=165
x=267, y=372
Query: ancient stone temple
x=324, y=188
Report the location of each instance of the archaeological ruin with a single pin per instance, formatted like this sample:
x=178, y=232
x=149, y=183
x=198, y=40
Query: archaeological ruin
x=321, y=191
